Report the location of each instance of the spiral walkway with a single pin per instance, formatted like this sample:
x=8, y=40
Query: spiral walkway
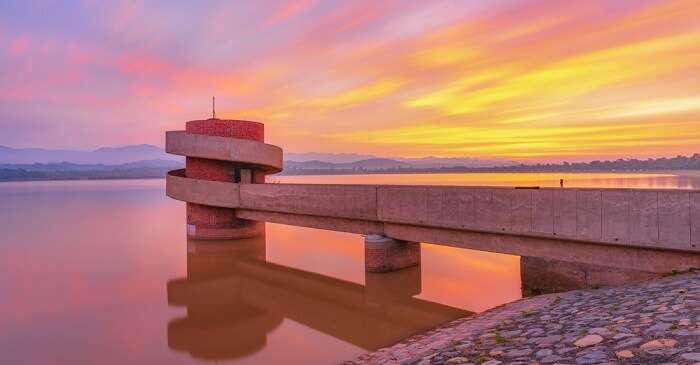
x=220, y=154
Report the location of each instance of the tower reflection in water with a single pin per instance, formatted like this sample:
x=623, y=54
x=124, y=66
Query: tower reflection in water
x=235, y=299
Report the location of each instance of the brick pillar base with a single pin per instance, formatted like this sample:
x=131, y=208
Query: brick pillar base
x=213, y=223
x=384, y=254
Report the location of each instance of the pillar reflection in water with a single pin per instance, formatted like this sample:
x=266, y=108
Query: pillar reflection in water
x=235, y=299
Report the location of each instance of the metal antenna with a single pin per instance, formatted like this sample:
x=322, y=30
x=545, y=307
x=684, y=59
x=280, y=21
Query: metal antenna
x=213, y=107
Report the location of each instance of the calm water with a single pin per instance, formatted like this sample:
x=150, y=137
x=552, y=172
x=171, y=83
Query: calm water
x=101, y=272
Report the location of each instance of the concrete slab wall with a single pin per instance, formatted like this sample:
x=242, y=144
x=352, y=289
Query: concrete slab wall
x=542, y=212
x=565, y=213
x=403, y=204
x=674, y=219
x=644, y=218
x=449, y=207
x=266, y=156
x=205, y=192
x=557, y=248
x=340, y=201
x=492, y=209
x=311, y=221
x=695, y=220
x=581, y=252
x=589, y=215
x=521, y=211
x=616, y=216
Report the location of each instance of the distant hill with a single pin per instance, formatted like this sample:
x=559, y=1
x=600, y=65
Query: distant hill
x=105, y=155
x=463, y=165
x=150, y=161
x=145, y=161
x=326, y=157
x=440, y=162
x=345, y=161
x=71, y=171
x=68, y=166
x=368, y=164
x=306, y=160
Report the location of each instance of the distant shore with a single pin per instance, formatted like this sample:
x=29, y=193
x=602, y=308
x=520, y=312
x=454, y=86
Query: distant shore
x=84, y=178
x=161, y=174
x=155, y=168
x=479, y=171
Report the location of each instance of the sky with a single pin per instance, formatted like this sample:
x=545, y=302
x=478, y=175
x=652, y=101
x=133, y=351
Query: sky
x=525, y=80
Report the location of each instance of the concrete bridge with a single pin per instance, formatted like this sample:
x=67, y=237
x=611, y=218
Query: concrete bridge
x=653, y=230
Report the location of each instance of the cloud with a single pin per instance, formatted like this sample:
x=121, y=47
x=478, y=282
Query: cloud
x=512, y=79
x=288, y=10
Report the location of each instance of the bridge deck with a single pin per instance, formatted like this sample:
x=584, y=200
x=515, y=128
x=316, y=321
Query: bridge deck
x=644, y=229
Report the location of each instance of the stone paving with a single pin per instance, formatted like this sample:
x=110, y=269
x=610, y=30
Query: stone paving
x=657, y=322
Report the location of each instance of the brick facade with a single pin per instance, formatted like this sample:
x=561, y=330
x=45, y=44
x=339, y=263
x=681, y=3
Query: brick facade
x=211, y=222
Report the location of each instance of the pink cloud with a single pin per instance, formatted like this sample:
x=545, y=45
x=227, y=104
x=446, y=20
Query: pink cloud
x=288, y=11
x=142, y=65
x=19, y=46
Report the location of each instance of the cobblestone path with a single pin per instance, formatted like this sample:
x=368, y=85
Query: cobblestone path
x=656, y=322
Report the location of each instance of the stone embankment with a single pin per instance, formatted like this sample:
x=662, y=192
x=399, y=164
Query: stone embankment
x=656, y=322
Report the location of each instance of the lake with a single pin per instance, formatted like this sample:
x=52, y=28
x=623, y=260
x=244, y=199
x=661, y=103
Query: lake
x=102, y=272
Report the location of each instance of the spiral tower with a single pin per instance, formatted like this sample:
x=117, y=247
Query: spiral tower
x=230, y=151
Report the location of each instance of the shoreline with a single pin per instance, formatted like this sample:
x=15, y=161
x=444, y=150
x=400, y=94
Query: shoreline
x=86, y=179
x=689, y=173
x=653, y=322
x=438, y=172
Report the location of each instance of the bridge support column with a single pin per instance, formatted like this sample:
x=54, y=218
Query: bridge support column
x=205, y=222
x=384, y=254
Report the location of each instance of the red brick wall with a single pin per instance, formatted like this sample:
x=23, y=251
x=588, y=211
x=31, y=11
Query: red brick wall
x=242, y=129
x=213, y=219
x=213, y=170
x=199, y=168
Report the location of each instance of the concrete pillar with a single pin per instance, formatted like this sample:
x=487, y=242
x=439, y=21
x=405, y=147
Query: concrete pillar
x=384, y=254
x=205, y=222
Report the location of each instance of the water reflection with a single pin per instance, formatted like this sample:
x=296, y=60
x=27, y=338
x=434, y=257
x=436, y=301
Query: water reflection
x=235, y=299
x=83, y=267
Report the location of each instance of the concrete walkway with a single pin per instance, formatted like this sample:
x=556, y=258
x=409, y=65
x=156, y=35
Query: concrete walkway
x=656, y=322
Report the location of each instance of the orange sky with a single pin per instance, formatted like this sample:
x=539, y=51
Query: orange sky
x=530, y=80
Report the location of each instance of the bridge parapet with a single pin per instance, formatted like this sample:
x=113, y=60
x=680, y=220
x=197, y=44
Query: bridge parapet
x=663, y=219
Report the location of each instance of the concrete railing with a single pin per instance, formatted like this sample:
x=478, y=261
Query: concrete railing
x=659, y=219
x=260, y=155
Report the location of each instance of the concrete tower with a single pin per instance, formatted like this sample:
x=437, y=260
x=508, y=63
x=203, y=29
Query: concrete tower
x=206, y=222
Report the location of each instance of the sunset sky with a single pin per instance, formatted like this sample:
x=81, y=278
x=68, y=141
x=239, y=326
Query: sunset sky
x=528, y=80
